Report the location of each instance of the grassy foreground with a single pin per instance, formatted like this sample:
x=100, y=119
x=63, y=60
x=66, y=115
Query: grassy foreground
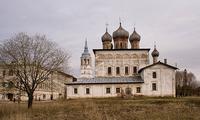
x=106, y=109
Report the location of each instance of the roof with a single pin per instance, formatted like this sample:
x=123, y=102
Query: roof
x=161, y=63
x=108, y=80
x=65, y=74
x=141, y=49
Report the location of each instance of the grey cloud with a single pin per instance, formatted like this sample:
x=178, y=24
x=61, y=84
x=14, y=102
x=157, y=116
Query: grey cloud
x=173, y=24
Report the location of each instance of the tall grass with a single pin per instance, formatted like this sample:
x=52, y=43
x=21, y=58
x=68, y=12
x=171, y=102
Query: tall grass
x=106, y=109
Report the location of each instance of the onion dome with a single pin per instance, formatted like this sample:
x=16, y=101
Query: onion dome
x=120, y=32
x=155, y=53
x=134, y=36
x=106, y=37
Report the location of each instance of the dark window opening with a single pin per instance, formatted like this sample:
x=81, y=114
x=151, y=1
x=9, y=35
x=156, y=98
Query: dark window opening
x=87, y=90
x=109, y=71
x=154, y=75
x=75, y=90
x=107, y=90
x=117, y=90
x=121, y=46
x=134, y=70
x=126, y=70
x=154, y=87
x=44, y=96
x=138, y=89
x=117, y=70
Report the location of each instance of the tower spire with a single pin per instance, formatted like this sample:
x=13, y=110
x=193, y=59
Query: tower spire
x=86, y=63
x=86, y=47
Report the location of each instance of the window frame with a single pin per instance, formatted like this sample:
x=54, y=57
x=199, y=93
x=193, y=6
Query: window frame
x=108, y=90
x=75, y=91
x=154, y=75
x=117, y=70
x=87, y=91
x=154, y=87
x=126, y=70
x=109, y=71
x=134, y=69
x=118, y=88
x=138, y=89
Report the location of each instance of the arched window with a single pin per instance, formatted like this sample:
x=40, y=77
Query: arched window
x=154, y=75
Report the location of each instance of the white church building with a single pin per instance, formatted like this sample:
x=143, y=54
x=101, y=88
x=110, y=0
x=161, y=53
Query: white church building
x=122, y=71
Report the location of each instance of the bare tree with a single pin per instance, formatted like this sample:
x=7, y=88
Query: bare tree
x=33, y=59
x=186, y=83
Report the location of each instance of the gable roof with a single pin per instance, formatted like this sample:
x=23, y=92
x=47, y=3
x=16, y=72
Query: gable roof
x=161, y=63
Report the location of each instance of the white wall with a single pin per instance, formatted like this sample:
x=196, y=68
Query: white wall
x=130, y=58
x=165, y=81
x=99, y=90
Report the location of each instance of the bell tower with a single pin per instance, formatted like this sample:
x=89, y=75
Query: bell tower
x=86, y=63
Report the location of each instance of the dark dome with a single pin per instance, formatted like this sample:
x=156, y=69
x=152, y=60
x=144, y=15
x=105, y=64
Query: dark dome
x=134, y=36
x=106, y=37
x=155, y=53
x=120, y=32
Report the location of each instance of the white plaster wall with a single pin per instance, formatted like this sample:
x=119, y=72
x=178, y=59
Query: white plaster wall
x=99, y=90
x=130, y=58
x=165, y=81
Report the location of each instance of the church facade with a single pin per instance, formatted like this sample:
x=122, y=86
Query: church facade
x=122, y=71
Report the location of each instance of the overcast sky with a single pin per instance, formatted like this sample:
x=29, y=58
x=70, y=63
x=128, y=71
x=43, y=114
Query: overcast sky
x=173, y=24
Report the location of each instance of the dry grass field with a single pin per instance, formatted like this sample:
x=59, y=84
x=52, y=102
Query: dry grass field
x=143, y=108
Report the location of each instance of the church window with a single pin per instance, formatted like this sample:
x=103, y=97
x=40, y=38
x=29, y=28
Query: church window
x=117, y=70
x=121, y=46
x=109, y=71
x=138, y=89
x=87, y=91
x=154, y=75
x=154, y=87
x=84, y=61
x=134, y=69
x=128, y=91
x=107, y=90
x=44, y=96
x=117, y=90
x=126, y=70
x=75, y=90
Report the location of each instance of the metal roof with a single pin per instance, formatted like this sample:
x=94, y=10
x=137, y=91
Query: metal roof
x=108, y=80
x=156, y=64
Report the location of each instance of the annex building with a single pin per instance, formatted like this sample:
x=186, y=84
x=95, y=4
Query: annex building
x=122, y=71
